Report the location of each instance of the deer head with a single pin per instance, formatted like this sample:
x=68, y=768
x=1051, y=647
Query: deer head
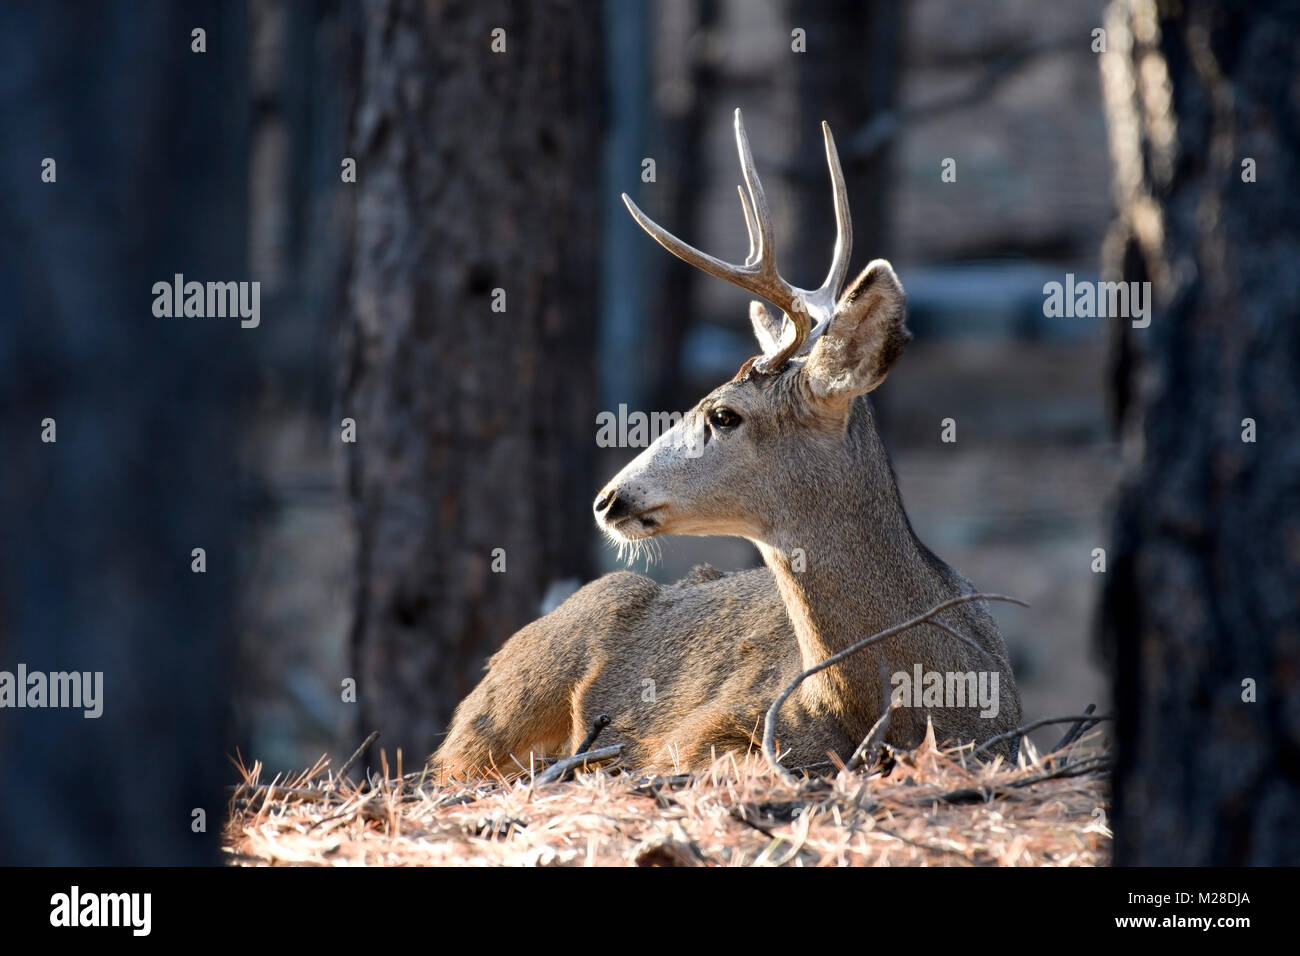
x=741, y=461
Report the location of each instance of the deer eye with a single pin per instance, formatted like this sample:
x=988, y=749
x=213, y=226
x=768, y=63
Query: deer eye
x=724, y=418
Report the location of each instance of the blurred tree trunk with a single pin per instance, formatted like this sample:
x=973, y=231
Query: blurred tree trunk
x=677, y=199
x=150, y=142
x=847, y=77
x=1203, y=589
x=477, y=171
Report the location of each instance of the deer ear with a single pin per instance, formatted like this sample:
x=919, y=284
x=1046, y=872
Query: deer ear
x=864, y=337
x=767, y=326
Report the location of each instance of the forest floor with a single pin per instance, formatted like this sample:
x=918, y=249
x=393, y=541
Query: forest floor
x=930, y=806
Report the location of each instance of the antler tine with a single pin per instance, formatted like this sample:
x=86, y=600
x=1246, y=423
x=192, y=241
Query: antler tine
x=749, y=225
x=823, y=300
x=759, y=274
x=686, y=252
x=794, y=304
x=757, y=203
x=843, y=221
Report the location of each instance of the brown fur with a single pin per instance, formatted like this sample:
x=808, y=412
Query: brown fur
x=686, y=671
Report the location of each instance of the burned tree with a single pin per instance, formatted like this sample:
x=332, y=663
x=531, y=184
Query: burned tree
x=1201, y=612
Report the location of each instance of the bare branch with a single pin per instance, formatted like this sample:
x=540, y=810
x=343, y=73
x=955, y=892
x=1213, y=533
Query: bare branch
x=874, y=736
x=357, y=754
x=1045, y=722
x=769, y=724
x=884, y=126
x=597, y=725
x=556, y=770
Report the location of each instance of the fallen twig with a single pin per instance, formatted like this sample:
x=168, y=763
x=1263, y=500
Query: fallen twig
x=651, y=785
x=360, y=806
x=928, y=847
x=1045, y=722
x=357, y=755
x=874, y=736
x=1076, y=731
x=1080, y=769
x=769, y=723
x=597, y=725
x=556, y=770
x=962, y=637
x=738, y=814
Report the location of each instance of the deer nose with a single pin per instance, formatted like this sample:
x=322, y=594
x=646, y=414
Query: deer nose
x=611, y=505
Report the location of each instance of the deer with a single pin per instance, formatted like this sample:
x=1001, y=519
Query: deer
x=787, y=455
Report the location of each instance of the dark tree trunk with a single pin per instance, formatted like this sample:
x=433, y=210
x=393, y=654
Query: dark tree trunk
x=98, y=527
x=848, y=75
x=1203, y=589
x=475, y=429
x=682, y=179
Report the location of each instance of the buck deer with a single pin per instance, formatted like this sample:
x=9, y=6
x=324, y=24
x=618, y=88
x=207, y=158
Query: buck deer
x=787, y=455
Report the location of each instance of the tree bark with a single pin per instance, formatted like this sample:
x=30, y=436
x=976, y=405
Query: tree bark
x=1203, y=590
x=477, y=171
x=848, y=75
x=149, y=140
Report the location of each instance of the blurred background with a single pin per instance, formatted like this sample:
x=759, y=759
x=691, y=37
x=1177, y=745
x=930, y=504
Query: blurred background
x=452, y=291
x=1017, y=503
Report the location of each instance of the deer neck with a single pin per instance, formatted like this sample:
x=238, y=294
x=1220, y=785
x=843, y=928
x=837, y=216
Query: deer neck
x=848, y=565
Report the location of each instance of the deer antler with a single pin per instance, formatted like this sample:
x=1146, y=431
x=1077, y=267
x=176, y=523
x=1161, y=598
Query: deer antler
x=806, y=312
